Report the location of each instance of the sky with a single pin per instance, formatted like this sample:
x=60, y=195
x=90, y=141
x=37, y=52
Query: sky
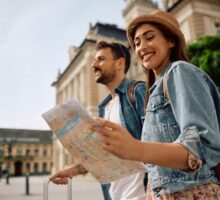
x=34, y=40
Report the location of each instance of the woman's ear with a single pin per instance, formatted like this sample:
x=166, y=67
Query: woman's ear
x=171, y=44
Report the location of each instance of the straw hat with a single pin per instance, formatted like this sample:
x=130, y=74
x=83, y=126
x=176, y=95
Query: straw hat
x=160, y=17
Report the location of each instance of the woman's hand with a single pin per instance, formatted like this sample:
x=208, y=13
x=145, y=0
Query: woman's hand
x=117, y=140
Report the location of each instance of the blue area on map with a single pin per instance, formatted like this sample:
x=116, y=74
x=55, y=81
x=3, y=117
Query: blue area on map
x=68, y=126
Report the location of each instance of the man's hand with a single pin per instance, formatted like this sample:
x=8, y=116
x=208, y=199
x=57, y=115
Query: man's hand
x=62, y=176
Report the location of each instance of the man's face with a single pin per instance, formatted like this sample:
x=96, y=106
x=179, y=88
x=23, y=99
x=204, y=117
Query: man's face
x=104, y=66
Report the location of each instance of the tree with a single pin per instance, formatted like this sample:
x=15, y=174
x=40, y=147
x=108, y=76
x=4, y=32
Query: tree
x=205, y=53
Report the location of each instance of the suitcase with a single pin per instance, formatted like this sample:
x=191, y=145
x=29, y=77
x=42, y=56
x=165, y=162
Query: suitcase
x=46, y=186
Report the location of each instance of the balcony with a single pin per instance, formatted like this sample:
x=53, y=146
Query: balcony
x=18, y=157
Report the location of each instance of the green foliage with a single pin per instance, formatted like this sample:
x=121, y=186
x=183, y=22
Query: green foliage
x=205, y=53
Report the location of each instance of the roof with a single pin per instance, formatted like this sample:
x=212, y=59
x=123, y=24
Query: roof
x=145, y=3
x=107, y=30
x=72, y=61
x=25, y=136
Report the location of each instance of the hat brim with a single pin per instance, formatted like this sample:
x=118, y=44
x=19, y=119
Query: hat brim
x=155, y=19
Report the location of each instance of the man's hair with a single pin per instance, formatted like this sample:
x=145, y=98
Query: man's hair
x=118, y=51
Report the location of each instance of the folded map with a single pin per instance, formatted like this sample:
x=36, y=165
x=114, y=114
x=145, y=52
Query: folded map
x=70, y=122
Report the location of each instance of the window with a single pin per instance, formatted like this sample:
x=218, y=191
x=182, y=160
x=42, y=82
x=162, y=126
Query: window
x=28, y=167
x=27, y=152
x=217, y=25
x=1, y=153
x=44, y=167
x=44, y=152
x=35, y=168
x=19, y=152
x=36, y=153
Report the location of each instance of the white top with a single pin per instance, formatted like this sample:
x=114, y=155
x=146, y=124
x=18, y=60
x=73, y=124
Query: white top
x=112, y=110
x=130, y=187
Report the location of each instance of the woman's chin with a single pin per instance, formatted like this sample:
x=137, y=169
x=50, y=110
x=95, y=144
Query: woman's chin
x=147, y=66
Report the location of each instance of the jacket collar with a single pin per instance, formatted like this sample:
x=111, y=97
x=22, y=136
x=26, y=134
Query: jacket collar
x=164, y=70
x=120, y=89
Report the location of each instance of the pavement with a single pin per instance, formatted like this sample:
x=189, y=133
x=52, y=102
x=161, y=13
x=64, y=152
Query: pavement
x=83, y=188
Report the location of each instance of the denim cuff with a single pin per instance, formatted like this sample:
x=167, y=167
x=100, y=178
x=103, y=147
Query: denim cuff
x=190, y=139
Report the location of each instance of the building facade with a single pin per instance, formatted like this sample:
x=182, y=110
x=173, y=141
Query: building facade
x=197, y=18
x=25, y=151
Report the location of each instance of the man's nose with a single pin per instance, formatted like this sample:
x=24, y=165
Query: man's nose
x=93, y=63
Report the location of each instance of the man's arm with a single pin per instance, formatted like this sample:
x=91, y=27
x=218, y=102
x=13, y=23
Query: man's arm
x=61, y=177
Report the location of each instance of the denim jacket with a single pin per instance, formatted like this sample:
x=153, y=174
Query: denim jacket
x=131, y=117
x=191, y=118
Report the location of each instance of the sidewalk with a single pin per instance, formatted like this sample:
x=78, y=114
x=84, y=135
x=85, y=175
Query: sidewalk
x=83, y=188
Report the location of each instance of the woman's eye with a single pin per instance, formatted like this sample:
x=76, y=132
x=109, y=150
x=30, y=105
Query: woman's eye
x=150, y=37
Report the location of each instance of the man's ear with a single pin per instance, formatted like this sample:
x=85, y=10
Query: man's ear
x=121, y=63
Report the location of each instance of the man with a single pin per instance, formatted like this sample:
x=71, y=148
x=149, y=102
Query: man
x=110, y=65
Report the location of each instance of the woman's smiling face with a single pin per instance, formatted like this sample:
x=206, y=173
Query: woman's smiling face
x=151, y=47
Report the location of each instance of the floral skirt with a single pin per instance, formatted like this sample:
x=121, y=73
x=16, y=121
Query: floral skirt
x=210, y=191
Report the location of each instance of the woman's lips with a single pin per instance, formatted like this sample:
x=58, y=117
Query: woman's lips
x=147, y=56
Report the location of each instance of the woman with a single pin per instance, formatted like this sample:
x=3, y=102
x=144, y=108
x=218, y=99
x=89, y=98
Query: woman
x=180, y=136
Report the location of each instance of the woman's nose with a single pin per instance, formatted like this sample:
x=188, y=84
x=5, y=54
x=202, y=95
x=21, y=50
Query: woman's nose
x=143, y=45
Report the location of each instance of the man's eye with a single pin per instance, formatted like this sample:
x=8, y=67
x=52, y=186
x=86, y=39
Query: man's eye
x=137, y=44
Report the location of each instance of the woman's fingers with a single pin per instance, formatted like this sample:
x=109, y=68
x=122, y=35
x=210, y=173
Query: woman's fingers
x=107, y=147
x=115, y=138
x=115, y=150
x=108, y=129
x=103, y=130
x=105, y=123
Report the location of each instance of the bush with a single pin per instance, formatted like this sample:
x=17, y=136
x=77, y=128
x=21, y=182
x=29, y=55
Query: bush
x=205, y=53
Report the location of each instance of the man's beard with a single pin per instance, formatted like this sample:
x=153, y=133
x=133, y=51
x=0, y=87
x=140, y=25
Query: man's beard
x=106, y=78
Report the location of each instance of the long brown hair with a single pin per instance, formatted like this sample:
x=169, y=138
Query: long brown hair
x=176, y=53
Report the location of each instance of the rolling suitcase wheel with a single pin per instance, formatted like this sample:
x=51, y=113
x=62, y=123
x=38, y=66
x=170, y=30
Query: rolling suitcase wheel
x=46, y=186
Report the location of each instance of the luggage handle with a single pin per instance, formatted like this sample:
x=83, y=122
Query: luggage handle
x=69, y=189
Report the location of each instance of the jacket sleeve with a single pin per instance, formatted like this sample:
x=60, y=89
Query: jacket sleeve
x=195, y=112
x=139, y=99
